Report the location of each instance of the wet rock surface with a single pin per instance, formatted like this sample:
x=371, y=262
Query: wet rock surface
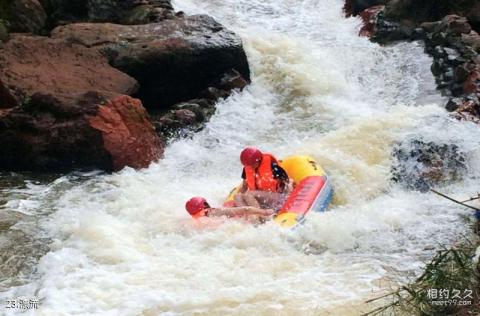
x=33, y=64
x=418, y=165
x=90, y=131
x=173, y=61
x=449, y=31
x=78, y=98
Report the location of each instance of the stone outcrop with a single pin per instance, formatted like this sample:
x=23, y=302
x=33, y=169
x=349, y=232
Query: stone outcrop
x=54, y=102
x=452, y=41
x=89, y=131
x=29, y=16
x=128, y=134
x=75, y=99
x=418, y=165
x=173, y=61
x=31, y=64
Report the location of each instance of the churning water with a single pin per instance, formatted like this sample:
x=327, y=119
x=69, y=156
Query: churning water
x=122, y=244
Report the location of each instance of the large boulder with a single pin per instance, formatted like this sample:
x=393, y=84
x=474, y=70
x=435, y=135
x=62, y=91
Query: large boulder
x=22, y=16
x=173, y=61
x=469, y=110
x=354, y=7
x=27, y=16
x=116, y=11
x=30, y=65
x=89, y=131
x=419, y=164
x=370, y=18
x=128, y=134
x=64, y=107
x=424, y=11
x=473, y=16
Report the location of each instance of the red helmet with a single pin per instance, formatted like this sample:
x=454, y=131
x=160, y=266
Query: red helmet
x=250, y=156
x=196, y=204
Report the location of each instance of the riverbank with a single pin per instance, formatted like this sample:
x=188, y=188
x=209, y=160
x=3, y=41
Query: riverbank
x=450, y=32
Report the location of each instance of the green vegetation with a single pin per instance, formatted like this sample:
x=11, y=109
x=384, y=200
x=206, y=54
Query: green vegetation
x=448, y=286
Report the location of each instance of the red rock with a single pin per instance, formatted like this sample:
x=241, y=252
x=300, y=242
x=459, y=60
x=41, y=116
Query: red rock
x=469, y=111
x=354, y=7
x=369, y=17
x=472, y=83
x=30, y=65
x=174, y=61
x=128, y=134
x=90, y=131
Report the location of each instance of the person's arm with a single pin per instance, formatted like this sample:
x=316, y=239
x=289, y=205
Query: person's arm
x=239, y=211
x=244, y=186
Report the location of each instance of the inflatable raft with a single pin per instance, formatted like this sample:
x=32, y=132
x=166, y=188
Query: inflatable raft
x=313, y=191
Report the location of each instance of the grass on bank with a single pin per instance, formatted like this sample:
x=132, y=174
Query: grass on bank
x=453, y=271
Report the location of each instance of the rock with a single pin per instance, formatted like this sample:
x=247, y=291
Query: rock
x=461, y=73
x=212, y=93
x=473, y=16
x=436, y=39
x=231, y=80
x=106, y=10
x=455, y=24
x=184, y=118
x=469, y=111
x=28, y=16
x=30, y=65
x=425, y=11
x=437, y=67
x=3, y=32
x=354, y=7
x=419, y=164
x=22, y=16
x=453, y=104
x=115, y=11
x=369, y=17
x=472, y=83
x=430, y=27
x=457, y=89
x=128, y=134
x=89, y=131
x=173, y=61
x=66, y=11
x=147, y=14
x=472, y=39
x=64, y=108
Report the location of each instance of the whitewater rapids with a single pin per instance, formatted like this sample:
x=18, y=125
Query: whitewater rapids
x=122, y=244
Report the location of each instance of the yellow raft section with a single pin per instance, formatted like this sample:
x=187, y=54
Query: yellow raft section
x=298, y=167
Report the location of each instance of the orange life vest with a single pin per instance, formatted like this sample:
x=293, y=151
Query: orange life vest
x=262, y=178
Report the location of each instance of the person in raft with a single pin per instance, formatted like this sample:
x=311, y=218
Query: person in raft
x=265, y=184
x=198, y=207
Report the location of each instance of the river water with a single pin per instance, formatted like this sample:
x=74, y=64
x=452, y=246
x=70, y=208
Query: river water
x=122, y=244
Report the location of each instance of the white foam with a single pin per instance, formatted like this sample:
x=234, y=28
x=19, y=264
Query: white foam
x=124, y=245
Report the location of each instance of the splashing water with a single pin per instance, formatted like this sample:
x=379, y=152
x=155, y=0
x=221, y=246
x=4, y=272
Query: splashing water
x=123, y=244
